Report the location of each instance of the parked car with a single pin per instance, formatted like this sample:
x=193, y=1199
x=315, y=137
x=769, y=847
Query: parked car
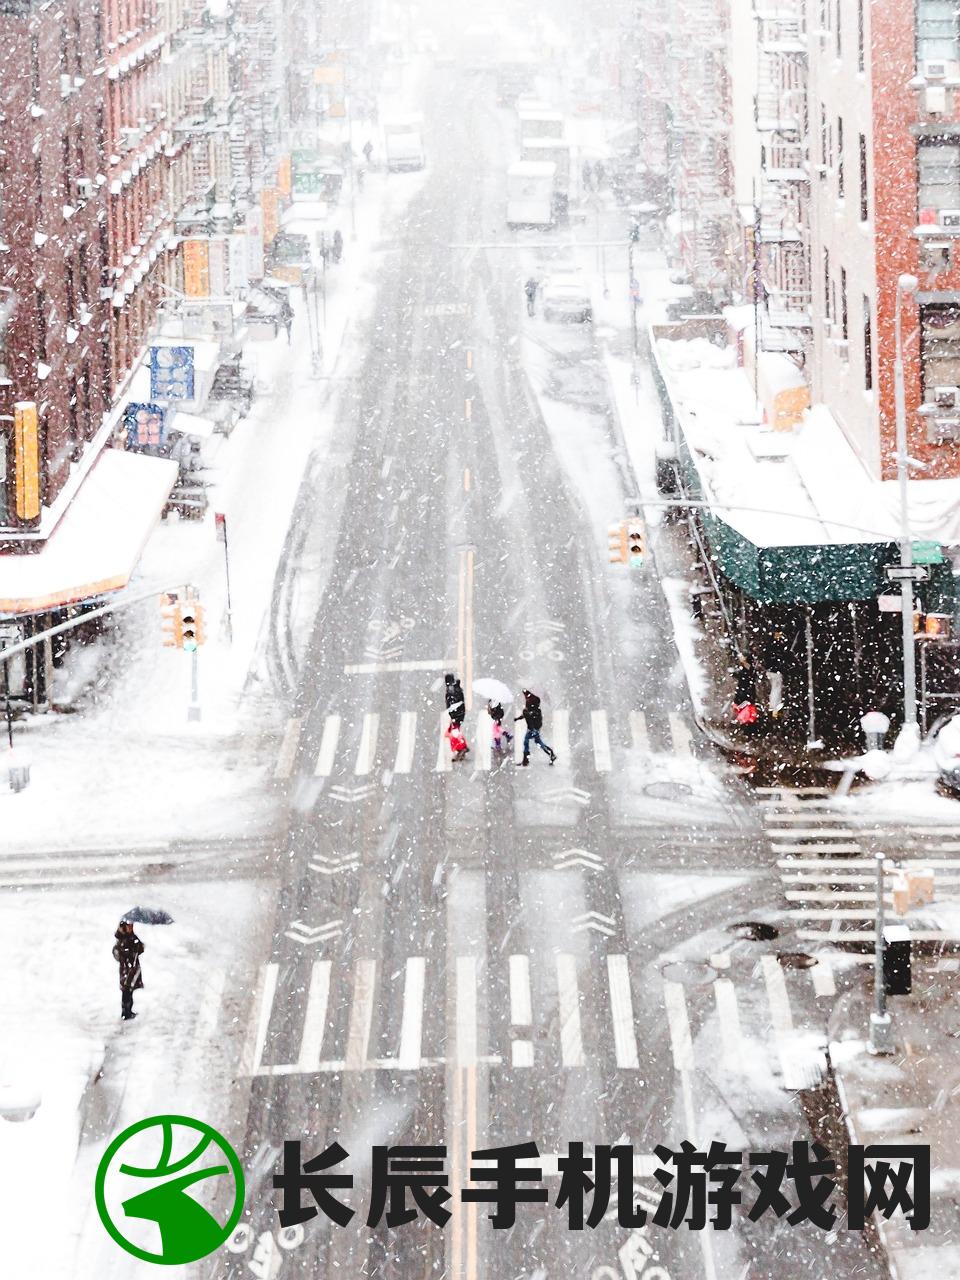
x=566, y=297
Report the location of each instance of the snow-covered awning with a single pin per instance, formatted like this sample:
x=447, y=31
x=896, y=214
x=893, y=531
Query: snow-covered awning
x=96, y=545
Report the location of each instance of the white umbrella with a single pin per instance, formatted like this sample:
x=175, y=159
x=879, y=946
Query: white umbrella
x=493, y=690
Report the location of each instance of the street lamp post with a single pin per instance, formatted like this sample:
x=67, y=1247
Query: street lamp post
x=906, y=284
x=881, y=1024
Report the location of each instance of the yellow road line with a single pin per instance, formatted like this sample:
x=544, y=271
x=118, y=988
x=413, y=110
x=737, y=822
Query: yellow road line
x=468, y=664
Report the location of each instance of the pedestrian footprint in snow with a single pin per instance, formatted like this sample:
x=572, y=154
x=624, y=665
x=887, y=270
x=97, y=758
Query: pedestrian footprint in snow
x=458, y=743
x=532, y=715
x=500, y=736
x=453, y=694
x=127, y=951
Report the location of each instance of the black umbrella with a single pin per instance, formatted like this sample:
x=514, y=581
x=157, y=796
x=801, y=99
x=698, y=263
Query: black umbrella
x=148, y=915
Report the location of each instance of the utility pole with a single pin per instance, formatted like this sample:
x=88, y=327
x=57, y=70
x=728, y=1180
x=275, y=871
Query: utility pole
x=906, y=284
x=881, y=1024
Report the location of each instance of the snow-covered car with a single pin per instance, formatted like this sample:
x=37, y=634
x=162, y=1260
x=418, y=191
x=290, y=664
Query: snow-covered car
x=566, y=297
x=946, y=753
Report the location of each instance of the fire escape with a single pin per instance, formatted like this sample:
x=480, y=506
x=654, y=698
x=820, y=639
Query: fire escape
x=783, y=256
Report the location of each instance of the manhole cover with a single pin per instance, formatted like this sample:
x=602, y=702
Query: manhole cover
x=753, y=931
x=689, y=974
x=796, y=960
x=667, y=790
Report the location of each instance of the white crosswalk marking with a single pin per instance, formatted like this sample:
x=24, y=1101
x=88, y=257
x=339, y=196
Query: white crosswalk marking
x=367, y=753
x=560, y=735
x=288, y=749
x=521, y=1010
x=680, y=735
x=411, y=1026
x=444, y=758
x=328, y=747
x=638, y=732
x=519, y=730
x=466, y=1011
x=678, y=1022
x=484, y=741
x=822, y=975
x=568, y=997
x=621, y=1008
x=601, y=741
x=406, y=742
x=260, y=1012
x=315, y=1019
x=729, y=1013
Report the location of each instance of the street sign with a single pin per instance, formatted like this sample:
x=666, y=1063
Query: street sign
x=906, y=573
x=927, y=553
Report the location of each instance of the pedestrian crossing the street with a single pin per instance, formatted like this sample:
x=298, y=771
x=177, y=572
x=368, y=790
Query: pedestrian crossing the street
x=410, y=741
x=564, y=1011
x=826, y=859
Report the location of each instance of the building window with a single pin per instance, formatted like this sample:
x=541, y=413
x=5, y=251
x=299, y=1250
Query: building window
x=938, y=31
x=42, y=324
x=938, y=175
x=824, y=149
x=860, y=35
x=839, y=158
x=939, y=348
x=843, y=303
x=864, y=196
x=826, y=283
x=867, y=346
x=837, y=31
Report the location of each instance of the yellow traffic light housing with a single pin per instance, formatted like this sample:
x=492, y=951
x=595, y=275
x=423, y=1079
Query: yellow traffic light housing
x=171, y=623
x=617, y=541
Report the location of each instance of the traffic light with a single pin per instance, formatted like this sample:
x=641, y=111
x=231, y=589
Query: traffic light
x=192, y=634
x=937, y=624
x=635, y=546
x=171, y=623
x=617, y=539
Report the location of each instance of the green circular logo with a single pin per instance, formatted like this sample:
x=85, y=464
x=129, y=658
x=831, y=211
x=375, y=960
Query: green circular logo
x=143, y=1180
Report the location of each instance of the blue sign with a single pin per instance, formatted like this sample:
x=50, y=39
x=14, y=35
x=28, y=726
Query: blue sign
x=145, y=425
x=171, y=373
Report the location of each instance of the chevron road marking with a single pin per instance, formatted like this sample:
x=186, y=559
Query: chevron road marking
x=568, y=793
x=563, y=861
x=326, y=866
x=595, y=922
x=601, y=741
x=310, y=935
x=352, y=795
x=568, y=997
x=621, y=1008
x=328, y=747
x=288, y=749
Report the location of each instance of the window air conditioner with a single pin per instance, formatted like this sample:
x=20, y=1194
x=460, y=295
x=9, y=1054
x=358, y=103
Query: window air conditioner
x=934, y=69
x=943, y=430
x=85, y=188
x=946, y=397
x=842, y=347
x=950, y=218
x=935, y=100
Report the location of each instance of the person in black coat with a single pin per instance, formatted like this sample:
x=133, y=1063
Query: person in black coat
x=127, y=951
x=453, y=695
x=533, y=717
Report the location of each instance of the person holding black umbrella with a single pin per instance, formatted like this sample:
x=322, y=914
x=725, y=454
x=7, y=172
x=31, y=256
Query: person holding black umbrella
x=127, y=951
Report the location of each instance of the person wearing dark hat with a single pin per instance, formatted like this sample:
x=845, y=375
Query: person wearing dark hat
x=127, y=951
x=453, y=696
x=532, y=715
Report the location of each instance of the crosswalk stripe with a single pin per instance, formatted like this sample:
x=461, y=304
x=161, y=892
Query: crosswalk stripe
x=818, y=833
x=518, y=741
x=521, y=1009
x=367, y=753
x=822, y=976
x=466, y=1011
x=779, y=1002
x=361, y=1015
x=315, y=1018
x=288, y=749
x=560, y=730
x=212, y=997
x=406, y=742
x=729, y=1014
x=484, y=741
x=260, y=1018
x=328, y=747
x=678, y=1022
x=411, y=1026
x=638, y=732
x=601, y=741
x=852, y=849
x=680, y=735
x=568, y=996
x=621, y=1007
x=444, y=758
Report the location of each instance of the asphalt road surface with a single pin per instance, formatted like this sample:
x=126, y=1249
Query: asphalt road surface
x=477, y=954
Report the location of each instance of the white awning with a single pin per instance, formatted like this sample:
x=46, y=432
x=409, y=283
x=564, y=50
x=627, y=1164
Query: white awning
x=192, y=424
x=96, y=545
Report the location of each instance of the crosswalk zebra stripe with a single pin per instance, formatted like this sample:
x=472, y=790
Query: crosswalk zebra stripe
x=729, y=1013
x=521, y=1010
x=444, y=758
x=601, y=741
x=210, y=1000
x=406, y=741
x=638, y=732
x=367, y=752
x=466, y=1011
x=484, y=742
x=288, y=749
x=822, y=976
x=621, y=1007
x=560, y=734
x=680, y=735
x=315, y=1018
x=328, y=747
x=260, y=1018
x=518, y=742
x=678, y=1023
x=411, y=1025
x=361, y=1015
x=568, y=999
x=794, y=1077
